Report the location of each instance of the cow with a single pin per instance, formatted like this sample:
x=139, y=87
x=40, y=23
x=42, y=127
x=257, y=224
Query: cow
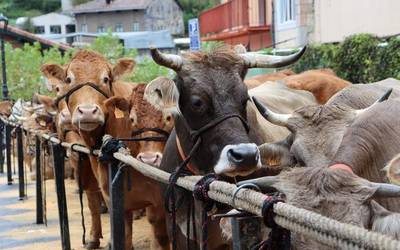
x=340, y=133
x=5, y=108
x=210, y=98
x=336, y=193
x=257, y=80
x=92, y=85
x=323, y=83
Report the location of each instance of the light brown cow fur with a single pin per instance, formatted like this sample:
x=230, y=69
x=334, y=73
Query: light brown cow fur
x=257, y=80
x=5, y=108
x=323, y=83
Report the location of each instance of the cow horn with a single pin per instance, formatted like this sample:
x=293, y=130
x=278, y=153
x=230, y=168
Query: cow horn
x=174, y=62
x=385, y=190
x=382, y=99
x=255, y=60
x=275, y=118
x=262, y=182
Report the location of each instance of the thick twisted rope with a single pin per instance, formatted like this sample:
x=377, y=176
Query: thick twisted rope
x=298, y=220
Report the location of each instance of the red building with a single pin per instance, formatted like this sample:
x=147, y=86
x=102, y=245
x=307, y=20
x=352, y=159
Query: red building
x=238, y=21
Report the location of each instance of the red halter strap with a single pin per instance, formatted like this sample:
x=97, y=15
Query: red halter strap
x=189, y=166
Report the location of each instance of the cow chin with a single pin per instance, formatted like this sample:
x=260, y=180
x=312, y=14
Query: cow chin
x=238, y=160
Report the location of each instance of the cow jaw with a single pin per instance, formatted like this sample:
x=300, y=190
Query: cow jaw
x=238, y=159
x=88, y=117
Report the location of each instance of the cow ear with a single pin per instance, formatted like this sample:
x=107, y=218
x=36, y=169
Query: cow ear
x=117, y=103
x=122, y=67
x=162, y=94
x=53, y=71
x=276, y=154
x=47, y=101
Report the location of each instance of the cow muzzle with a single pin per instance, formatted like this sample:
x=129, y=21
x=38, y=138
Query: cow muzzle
x=88, y=117
x=151, y=158
x=65, y=117
x=238, y=159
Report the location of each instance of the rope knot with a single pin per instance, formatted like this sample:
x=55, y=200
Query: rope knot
x=279, y=237
x=201, y=190
x=109, y=147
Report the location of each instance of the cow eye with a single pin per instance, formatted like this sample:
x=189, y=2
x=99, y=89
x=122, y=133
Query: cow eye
x=68, y=80
x=196, y=102
x=106, y=79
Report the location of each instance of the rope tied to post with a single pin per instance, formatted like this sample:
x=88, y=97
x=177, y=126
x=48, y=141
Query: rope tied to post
x=279, y=237
x=200, y=192
x=109, y=147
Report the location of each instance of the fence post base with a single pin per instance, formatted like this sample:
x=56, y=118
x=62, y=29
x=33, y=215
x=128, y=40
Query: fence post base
x=8, y=154
x=117, y=218
x=20, y=154
x=58, y=158
x=39, y=193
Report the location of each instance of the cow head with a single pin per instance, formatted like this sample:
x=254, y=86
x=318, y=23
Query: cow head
x=144, y=121
x=316, y=133
x=87, y=82
x=209, y=87
x=335, y=193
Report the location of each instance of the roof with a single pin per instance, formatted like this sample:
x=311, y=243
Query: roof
x=23, y=36
x=116, y=5
x=97, y=6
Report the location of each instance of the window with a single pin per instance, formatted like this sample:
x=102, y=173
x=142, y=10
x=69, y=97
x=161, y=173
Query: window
x=55, y=29
x=39, y=29
x=101, y=29
x=83, y=27
x=286, y=15
x=135, y=27
x=119, y=27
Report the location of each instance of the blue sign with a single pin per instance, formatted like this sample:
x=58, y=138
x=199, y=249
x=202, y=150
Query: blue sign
x=194, y=34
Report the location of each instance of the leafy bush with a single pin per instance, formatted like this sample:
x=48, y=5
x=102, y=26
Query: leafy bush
x=23, y=64
x=389, y=63
x=317, y=56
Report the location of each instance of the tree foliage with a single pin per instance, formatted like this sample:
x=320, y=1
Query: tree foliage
x=23, y=64
x=18, y=8
x=192, y=8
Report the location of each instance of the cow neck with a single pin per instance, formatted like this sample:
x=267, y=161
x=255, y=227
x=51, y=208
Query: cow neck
x=183, y=156
x=93, y=139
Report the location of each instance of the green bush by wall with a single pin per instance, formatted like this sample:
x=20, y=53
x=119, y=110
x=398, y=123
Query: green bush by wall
x=360, y=58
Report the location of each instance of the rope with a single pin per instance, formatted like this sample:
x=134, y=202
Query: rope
x=309, y=224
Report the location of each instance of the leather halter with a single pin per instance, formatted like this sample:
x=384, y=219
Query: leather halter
x=341, y=166
x=189, y=166
x=76, y=88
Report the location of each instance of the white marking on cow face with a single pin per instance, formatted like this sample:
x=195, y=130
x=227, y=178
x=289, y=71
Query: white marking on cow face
x=238, y=159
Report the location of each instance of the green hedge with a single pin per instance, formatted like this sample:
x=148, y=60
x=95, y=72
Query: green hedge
x=359, y=59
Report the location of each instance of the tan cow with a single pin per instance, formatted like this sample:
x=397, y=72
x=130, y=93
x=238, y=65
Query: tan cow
x=323, y=83
x=5, y=108
x=93, y=119
x=257, y=80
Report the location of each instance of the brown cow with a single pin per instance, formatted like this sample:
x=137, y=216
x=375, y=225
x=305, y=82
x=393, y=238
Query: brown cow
x=257, y=80
x=5, y=108
x=90, y=114
x=323, y=83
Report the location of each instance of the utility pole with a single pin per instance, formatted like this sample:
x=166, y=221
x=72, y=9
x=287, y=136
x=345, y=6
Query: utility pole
x=3, y=56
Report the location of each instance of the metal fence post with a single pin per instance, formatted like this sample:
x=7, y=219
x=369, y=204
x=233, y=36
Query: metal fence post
x=8, y=154
x=20, y=153
x=1, y=147
x=39, y=194
x=246, y=232
x=116, y=185
x=58, y=159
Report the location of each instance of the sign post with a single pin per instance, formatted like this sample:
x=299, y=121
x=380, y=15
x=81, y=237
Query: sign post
x=194, y=34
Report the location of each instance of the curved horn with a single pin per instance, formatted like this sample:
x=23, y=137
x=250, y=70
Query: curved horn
x=385, y=190
x=174, y=62
x=382, y=99
x=254, y=60
x=275, y=118
x=263, y=182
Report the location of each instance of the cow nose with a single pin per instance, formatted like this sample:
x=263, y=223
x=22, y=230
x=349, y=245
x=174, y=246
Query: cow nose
x=88, y=109
x=151, y=158
x=246, y=155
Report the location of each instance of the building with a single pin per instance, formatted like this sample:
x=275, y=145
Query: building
x=129, y=16
x=238, y=21
x=292, y=23
x=53, y=24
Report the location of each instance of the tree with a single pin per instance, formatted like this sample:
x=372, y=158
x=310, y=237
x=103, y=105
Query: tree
x=192, y=8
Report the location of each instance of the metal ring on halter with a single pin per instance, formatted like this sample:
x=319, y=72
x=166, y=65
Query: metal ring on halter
x=247, y=185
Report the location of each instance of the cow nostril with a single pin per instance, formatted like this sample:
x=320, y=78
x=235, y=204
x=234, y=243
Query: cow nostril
x=236, y=157
x=80, y=110
x=95, y=110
